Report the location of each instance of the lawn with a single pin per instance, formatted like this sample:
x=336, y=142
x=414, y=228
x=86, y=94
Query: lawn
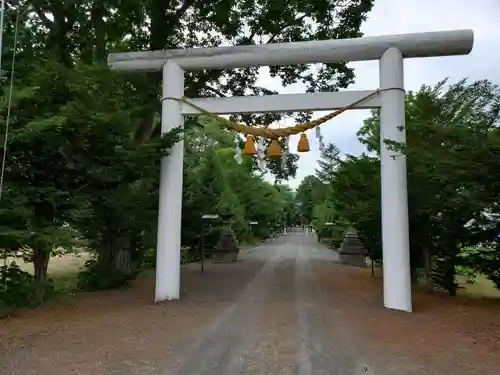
x=482, y=287
x=62, y=269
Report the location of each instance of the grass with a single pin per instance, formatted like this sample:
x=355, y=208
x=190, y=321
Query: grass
x=62, y=269
x=482, y=287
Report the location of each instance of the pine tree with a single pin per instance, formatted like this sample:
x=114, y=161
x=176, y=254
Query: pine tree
x=328, y=163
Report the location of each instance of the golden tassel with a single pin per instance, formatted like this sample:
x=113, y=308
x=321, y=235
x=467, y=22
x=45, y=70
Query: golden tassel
x=303, y=145
x=249, y=146
x=274, y=149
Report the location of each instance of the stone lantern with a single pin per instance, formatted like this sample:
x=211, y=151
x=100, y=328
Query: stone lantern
x=227, y=248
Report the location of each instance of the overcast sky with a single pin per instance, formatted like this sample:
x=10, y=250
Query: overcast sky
x=409, y=16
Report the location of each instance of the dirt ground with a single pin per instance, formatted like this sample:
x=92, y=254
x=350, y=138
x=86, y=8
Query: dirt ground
x=443, y=335
x=286, y=308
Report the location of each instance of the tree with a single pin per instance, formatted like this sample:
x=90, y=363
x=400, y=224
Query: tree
x=448, y=137
x=451, y=135
x=452, y=152
x=94, y=143
x=289, y=215
x=88, y=30
x=356, y=196
x=310, y=191
x=212, y=172
x=329, y=160
x=69, y=158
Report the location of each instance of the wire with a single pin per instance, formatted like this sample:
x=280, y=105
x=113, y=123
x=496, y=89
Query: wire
x=11, y=89
x=2, y=16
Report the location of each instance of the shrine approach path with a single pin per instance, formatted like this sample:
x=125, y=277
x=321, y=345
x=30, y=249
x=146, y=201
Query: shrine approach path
x=284, y=308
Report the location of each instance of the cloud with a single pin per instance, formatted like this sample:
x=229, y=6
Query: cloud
x=409, y=16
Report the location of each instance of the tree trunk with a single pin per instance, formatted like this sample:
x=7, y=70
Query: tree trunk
x=122, y=260
x=97, y=15
x=105, y=255
x=116, y=260
x=40, y=263
x=427, y=255
x=115, y=256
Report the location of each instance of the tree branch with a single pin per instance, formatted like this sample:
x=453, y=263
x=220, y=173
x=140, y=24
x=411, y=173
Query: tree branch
x=215, y=91
x=271, y=39
x=187, y=4
x=46, y=22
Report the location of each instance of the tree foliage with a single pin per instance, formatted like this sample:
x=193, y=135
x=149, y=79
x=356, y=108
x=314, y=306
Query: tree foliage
x=84, y=143
x=452, y=151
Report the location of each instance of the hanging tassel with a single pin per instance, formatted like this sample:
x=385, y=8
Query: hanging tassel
x=261, y=148
x=284, y=159
x=274, y=149
x=303, y=145
x=321, y=144
x=318, y=132
x=249, y=146
x=237, y=154
x=284, y=154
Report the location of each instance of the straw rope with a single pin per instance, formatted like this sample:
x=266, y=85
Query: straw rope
x=276, y=133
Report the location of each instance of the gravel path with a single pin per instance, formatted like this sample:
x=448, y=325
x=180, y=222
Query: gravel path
x=283, y=293
x=285, y=308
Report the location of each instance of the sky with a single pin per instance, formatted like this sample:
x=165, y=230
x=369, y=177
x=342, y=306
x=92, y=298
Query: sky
x=408, y=16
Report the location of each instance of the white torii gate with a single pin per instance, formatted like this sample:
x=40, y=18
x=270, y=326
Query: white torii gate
x=389, y=50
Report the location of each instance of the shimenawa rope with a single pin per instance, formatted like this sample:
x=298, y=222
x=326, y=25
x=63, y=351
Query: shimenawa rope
x=276, y=133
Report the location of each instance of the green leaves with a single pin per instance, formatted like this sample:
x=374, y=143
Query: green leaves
x=452, y=140
x=215, y=183
x=452, y=151
x=85, y=148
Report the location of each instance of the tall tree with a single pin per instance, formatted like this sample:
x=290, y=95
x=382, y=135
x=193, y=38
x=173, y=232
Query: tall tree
x=310, y=192
x=86, y=30
x=328, y=162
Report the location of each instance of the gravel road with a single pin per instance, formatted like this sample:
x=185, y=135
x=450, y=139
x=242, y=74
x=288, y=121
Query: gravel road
x=275, y=325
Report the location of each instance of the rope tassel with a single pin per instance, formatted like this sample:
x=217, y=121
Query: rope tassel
x=303, y=145
x=249, y=147
x=274, y=149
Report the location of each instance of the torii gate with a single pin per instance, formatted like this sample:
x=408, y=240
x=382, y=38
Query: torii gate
x=389, y=50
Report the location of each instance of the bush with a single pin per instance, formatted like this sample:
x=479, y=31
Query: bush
x=444, y=273
x=189, y=255
x=96, y=277
x=17, y=289
x=149, y=259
